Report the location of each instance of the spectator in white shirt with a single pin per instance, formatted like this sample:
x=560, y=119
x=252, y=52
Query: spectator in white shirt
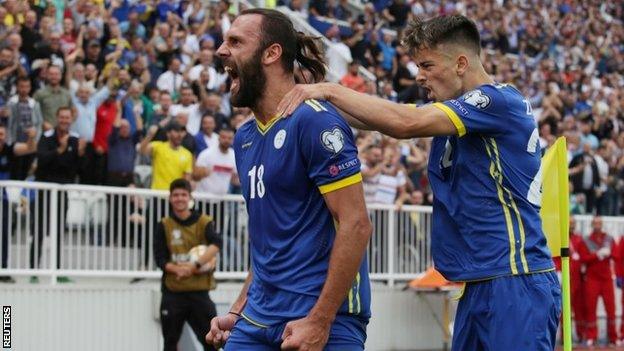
x=206, y=62
x=189, y=106
x=162, y=110
x=206, y=138
x=383, y=179
x=215, y=168
x=338, y=54
x=171, y=80
x=190, y=46
x=372, y=167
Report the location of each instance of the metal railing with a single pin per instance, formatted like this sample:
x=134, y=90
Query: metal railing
x=77, y=230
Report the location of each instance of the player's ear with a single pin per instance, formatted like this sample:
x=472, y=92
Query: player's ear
x=272, y=54
x=461, y=65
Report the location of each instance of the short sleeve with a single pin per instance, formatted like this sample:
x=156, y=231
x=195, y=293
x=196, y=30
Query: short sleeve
x=477, y=111
x=328, y=147
x=211, y=235
x=202, y=159
x=156, y=147
x=233, y=160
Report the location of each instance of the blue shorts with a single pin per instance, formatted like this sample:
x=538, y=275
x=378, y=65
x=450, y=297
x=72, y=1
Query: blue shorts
x=509, y=313
x=346, y=334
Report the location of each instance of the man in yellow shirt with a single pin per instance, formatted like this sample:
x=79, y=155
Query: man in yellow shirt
x=170, y=160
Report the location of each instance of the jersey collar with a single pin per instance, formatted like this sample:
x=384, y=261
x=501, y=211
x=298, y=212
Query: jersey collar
x=264, y=128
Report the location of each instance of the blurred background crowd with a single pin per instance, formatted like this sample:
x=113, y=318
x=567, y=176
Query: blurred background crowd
x=148, y=98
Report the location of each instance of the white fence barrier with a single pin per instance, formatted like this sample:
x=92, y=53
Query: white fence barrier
x=76, y=230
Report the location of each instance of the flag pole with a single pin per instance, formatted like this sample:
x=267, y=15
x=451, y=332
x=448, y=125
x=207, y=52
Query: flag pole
x=564, y=222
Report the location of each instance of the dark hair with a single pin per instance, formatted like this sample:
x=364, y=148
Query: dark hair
x=227, y=129
x=62, y=108
x=180, y=183
x=206, y=115
x=23, y=79
x=186, y=87
x=456, y=29
x=174, y=125
x=276, y=28
x=57, y=67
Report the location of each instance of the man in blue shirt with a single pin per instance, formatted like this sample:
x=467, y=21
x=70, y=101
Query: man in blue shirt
x=308, y=286
x=484, y=169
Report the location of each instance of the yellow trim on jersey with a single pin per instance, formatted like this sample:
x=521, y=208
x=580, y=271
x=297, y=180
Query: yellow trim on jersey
x=525, y=265
x=315, y=105
x=357, y=295
x=457, y=122
x=259, y=325
x=351, y=300
x=461, y=292
x=264, y=128
x=356, y=300
x=499, y=181
x=350, y=180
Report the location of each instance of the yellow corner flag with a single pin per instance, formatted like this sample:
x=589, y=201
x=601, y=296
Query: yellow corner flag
x=555, y=210
x=555, y=215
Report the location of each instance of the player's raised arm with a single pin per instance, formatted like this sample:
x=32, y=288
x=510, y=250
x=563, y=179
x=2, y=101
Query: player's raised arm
x=396, y=120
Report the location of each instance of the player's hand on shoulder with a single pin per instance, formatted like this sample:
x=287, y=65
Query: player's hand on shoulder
x=299, y=94
x=306, y=334
x=220, y=328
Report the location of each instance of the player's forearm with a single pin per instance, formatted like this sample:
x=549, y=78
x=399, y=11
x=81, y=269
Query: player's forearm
x=344, y=263
x=353, y=122
x=241, y=301
x=375, y=113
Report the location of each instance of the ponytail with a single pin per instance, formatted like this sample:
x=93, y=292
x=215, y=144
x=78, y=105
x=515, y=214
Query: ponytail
x=276, y=28
x=310, y=56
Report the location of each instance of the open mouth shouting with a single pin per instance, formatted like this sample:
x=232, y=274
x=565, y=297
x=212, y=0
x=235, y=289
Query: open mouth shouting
x=233, y=73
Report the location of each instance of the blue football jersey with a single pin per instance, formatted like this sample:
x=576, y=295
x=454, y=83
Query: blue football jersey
x=285, y=167
x=487, y=188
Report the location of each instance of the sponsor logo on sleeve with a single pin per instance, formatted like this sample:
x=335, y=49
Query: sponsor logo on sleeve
x=335, y=169
x=459, y=107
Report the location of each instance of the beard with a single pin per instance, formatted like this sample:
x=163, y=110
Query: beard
x=251, y=83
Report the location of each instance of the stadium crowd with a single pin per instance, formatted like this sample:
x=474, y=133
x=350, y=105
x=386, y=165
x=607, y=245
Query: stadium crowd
x=145, y=87
x=105, y=89
x=565, y=56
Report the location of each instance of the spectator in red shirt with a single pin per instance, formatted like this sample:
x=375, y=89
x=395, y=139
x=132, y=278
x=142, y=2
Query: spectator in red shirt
x=596, y=253
x=353, y=79
x=576, y=281
x=619, y=271
x=105, y=116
